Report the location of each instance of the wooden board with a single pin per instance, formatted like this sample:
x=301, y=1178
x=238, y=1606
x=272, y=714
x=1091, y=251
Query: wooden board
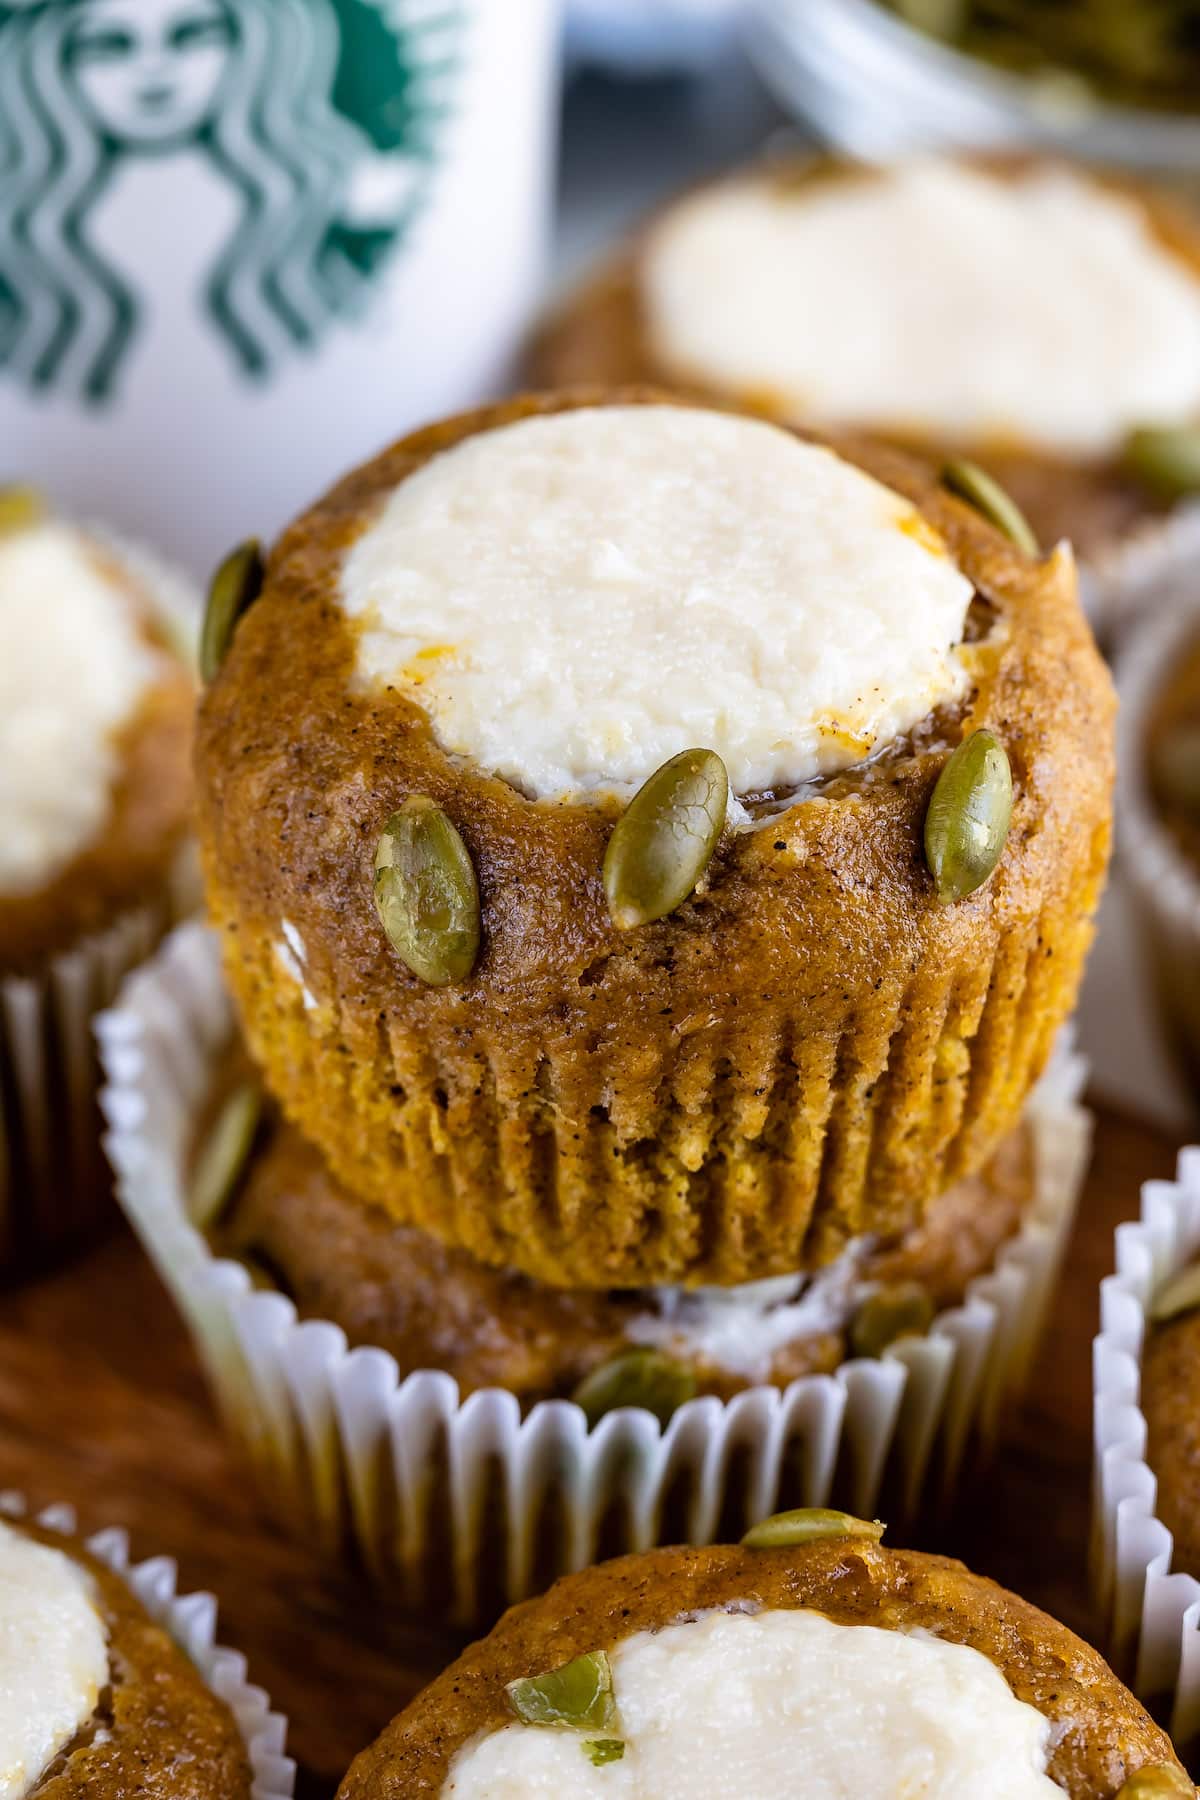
x=101, y=1405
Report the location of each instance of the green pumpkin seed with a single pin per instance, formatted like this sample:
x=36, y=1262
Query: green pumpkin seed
x=579, y=1695
x=1175, y=766
x=1165, y=459
x=426, y=893
x=223, y=1156
x=640, y=1377
x=1157, y=1781
x=806, y=1525
x=20, y=507
x=234, y=587
x=603, y=1750
x=902, y=1309
x=665, y=839
x=1178, y=1296
x=980, y=490
x=968, y=817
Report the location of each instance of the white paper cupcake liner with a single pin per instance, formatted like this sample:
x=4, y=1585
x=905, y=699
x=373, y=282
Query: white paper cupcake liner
x=55, y=1185
x=1142, y=574
x=1151, y=1615
x=191, y=1620
x=467, y=1505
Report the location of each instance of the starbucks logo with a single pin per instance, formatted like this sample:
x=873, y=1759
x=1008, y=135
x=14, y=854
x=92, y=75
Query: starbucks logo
x=300, y=136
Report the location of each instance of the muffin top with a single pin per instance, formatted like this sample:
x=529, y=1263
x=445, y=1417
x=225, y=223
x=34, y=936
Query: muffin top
x=96, y=1702
x=939, y=300
x=93, y=734
x=871, y=1670
x=576, y=597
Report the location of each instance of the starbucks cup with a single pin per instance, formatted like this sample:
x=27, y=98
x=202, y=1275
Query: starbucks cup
x=244, y=242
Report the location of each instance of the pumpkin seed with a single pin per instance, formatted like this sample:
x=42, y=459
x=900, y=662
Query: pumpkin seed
x=806, y=1525
x=426, y=893
x=234, y=587
x=1165, y=459
x=603, y=1750
x=20, y=507
x=641, y=1377
x=579, y=1695
x=664, y=841
x=222, y=1157
x=902, y=1309
x=1157, y=1781
x=1175, y=766
x=968, y=817
x=984, y=493
x=1178, y=1296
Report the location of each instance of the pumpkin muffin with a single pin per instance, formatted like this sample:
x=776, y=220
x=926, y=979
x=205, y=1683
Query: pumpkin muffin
x=96, y=710
x=1039, y=317
x=545, y=979
x=395, y=1288
x=1170, y=1381
x=96, y=1702
x=810, y=1661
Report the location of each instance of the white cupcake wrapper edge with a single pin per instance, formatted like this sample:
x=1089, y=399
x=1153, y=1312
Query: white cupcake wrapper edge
x=191, y=1620
x=1138, y=575
x=401, y=1471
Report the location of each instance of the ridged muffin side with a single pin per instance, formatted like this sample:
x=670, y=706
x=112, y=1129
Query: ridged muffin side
x=806, y=1051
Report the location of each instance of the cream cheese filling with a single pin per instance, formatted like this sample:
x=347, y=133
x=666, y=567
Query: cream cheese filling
x=576, y=597
x=782, y=1705
x=53, y=1657
x=933, y=299
x=74, y=668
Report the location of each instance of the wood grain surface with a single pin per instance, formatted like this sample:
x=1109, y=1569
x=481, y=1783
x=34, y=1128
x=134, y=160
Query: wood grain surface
x=102, y=1405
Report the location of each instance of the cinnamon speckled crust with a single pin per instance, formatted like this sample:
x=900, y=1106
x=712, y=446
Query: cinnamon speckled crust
x=130, y=862
x=399, y=1290
x=158, y=1733
x=1101, y=1734
x=801, y=1054
x=600, y=335
x=1171, y=1403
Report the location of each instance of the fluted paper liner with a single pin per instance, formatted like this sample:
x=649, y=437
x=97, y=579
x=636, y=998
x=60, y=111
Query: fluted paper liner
x=1151, y=1615
x=191, y=1620
x=466, y=1505
x=1139, y=575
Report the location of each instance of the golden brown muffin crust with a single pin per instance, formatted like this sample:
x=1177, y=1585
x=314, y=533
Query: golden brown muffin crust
x=129, y=864
x=601, y=334
x=1101, y=1734
x=395, y=1288
x=158, y=1733
x=802, y=1053
x=1170, y=1396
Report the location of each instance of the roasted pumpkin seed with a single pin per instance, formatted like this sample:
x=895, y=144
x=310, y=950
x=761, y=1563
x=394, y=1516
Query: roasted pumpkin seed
x=980, y=490
x=641, y=1377
x=664, y=841
x=902, y=1309
x=20, y=506
x=223, y=1155
x=1178, y=1296
x=1158, y=1781
x=603, y=1750
x=234, y=587
x=579, y=1695
x=1165, y=459
x=805, y=1525
x=968, y=817
x=426, y=893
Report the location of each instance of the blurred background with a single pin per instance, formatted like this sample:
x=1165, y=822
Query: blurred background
x=244, y=242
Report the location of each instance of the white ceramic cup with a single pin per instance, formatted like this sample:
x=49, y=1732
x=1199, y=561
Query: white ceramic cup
x=243, y=243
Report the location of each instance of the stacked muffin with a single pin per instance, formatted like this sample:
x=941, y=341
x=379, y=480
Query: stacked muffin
x=653, y=855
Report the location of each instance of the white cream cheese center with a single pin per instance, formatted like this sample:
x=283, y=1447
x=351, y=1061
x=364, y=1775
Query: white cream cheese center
x=73, y=669
x=783, y=1706
x=577, y=597
x=53, y=1657
x=934, y=298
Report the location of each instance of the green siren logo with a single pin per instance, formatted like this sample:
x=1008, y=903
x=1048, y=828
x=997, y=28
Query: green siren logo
x=299, y=137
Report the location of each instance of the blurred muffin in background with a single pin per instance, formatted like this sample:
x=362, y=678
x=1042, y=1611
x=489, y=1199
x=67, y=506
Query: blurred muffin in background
x=96, y=703
x=1035, y=316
